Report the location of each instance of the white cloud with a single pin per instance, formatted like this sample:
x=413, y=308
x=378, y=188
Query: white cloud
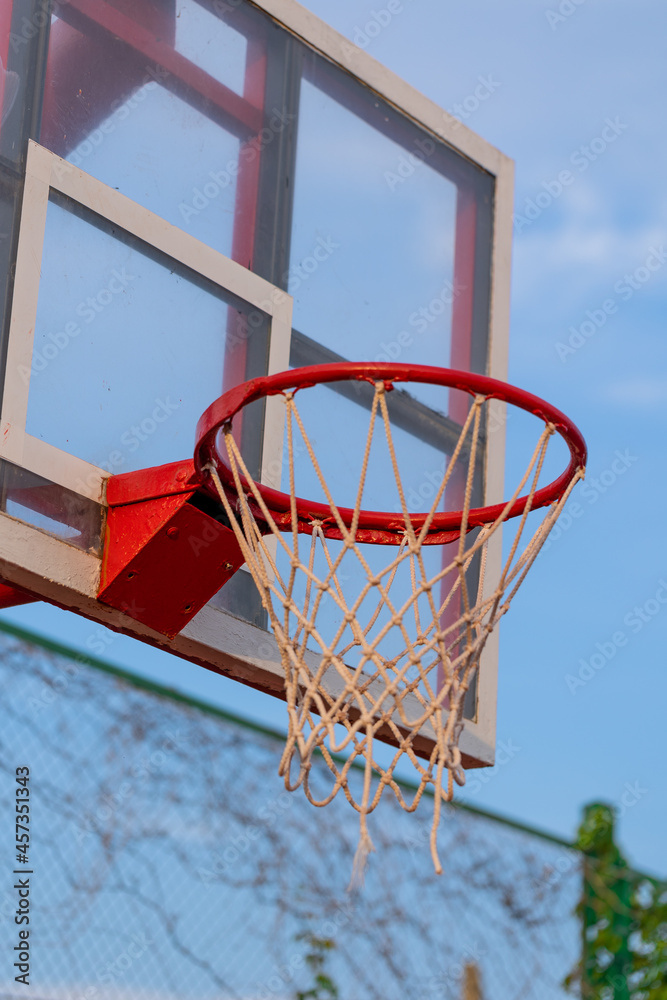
x=639, y=391
x=582, y=256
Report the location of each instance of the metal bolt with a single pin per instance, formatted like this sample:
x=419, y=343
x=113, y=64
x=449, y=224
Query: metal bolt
x=172, y=532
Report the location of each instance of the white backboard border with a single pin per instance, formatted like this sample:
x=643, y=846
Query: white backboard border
x=46, y=172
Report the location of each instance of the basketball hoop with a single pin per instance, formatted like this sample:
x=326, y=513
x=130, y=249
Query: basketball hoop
x=382, y=663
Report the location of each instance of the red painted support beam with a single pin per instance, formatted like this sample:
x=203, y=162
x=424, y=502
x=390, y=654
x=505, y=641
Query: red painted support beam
x=87, y=43
x=9, y=80
x=12, y=597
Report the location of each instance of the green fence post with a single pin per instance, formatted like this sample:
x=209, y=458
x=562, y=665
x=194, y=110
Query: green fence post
x=606, y=908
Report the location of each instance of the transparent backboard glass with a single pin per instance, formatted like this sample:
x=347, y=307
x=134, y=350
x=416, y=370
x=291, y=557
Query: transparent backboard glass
x=212, y=44
x=372, y=267
x=138, y=398
x=51, y=508
x=142, y=135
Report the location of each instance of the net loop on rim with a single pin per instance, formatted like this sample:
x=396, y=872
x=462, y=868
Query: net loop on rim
x=394, y=653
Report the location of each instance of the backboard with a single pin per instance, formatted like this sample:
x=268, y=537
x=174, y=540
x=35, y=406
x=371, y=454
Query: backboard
x=197, y=192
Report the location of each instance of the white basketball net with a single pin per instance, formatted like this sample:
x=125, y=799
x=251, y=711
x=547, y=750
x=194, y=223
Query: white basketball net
x=389, y=663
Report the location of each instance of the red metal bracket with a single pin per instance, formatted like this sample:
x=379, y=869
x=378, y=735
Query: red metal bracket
x=11, y=597
x=167, y=549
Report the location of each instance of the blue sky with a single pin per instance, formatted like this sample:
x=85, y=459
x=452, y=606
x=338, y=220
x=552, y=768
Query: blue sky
x=578, y=92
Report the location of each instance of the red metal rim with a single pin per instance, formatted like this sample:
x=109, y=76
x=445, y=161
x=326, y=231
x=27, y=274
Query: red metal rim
x=380, y=527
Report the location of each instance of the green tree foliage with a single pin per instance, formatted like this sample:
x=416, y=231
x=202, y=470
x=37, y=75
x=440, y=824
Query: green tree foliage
x=319, y=949
x=623, y=918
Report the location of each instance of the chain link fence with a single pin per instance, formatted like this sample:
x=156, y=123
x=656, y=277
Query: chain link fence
x=169, y=862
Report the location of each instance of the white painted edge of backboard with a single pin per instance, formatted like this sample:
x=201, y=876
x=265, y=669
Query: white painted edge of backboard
x=45, y=172
x=407, y=99
x=499, y=325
